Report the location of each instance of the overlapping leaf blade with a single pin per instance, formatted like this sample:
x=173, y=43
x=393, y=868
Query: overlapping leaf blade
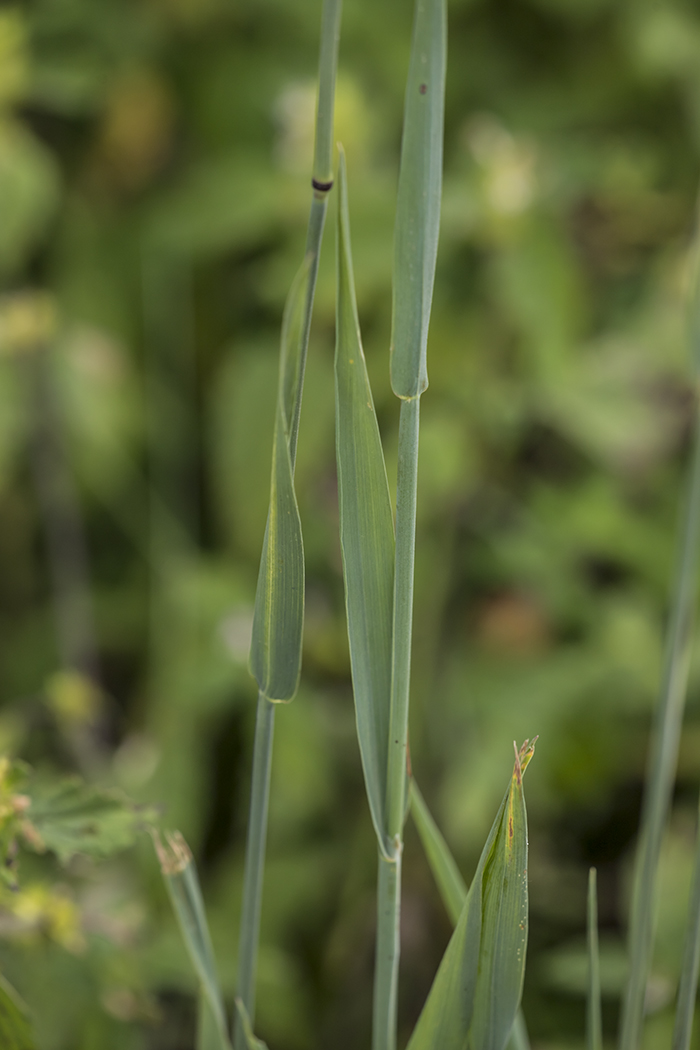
x=418, y=204
x=275, y=653
x=366, y=529
x=475, y=996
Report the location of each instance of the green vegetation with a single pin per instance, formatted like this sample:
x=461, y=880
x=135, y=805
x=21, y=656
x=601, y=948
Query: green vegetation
x=154, y=167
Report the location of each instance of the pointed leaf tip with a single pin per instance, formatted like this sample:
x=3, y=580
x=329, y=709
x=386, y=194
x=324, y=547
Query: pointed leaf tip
x=476, y=993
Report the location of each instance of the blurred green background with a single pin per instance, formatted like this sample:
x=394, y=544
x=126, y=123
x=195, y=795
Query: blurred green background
x=154, y=184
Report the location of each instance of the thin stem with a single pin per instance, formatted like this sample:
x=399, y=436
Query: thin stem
x=254, y=864
x=327, y=65
x=663, y=759
x=387, y=952
x=685, y=1008
x=322, y=183
x=314, y=236
x=389, y=891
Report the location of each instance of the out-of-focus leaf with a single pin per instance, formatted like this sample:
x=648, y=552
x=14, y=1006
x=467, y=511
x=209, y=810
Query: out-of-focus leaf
x=476, y=993
x=15, y=1030
x=29, y=189
x=71, y=817
x=366, y=530
x=275, y=654
x=181, y=880
x=418, y=204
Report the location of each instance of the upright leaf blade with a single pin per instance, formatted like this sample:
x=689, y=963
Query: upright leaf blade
x=452, y=886
x=476, y=993
x=275, y=653
x=366, y=530
x=181, y=880
x=418, y=205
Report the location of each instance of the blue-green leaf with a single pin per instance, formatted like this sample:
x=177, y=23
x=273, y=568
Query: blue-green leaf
x=476, y=993
x=418, y=205
x=275, y=653
x=366, y=530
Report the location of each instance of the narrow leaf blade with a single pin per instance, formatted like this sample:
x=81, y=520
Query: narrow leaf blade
x=278, y=620
x=452, y=886
x=418, y=204
x=366, y=530
x=180, y=876
x=476, y=993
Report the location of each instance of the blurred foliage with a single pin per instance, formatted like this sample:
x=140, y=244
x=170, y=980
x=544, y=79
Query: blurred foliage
x=154, y=166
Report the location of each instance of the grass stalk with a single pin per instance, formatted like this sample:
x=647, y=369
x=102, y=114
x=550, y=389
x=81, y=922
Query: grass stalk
x=389, y=888
x=254, y=864
x=663, y=758
x=292, y=382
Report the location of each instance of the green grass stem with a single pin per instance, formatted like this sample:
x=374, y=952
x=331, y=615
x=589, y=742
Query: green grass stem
x=687, y=990
x=290, y=397
x=254, y=865
x=389, y=890
x=663, y=759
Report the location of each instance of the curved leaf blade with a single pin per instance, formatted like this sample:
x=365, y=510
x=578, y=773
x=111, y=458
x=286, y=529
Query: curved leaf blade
x=366, y=530
x=418, y=204
x=476, y=992
x=278, y=619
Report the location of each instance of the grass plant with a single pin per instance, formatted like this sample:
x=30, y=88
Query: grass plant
x=275, y=657
x=475, y=998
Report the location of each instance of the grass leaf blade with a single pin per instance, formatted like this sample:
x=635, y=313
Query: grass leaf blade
x=476, y=993
x=366, y=530
x=275, y=653
x=594, y=1024
x=452, y=886
x=181, y=880
x=418, y=204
